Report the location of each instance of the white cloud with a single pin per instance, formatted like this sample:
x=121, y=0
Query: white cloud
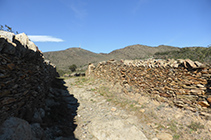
x=43, y=38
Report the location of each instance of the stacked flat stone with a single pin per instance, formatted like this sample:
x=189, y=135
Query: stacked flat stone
x=184, y=83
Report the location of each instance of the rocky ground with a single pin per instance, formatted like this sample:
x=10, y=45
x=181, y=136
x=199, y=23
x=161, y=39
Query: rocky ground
x=105, y=112
x=98, y=118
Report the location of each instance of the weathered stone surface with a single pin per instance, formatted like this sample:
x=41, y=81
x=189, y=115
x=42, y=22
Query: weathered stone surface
x=22, y=38
x=113, y=109
x=91, y=68
x=109, y=130
x=25, y=81
x=199, y=65
x=206, y=115
x=32, y=46
x=16, y=129
x=164, y=136
x=38, y=115
x=19, y=44
x=37, y=131
x=189, y=64
x=8, y=35
x=184, y=85
x=196, y=91
x=209, y=71
x=203, y=103
x=209, y=100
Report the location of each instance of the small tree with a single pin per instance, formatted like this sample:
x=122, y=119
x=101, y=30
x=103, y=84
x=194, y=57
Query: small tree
x=2, y=27
x=7, y=28
x=73, y=67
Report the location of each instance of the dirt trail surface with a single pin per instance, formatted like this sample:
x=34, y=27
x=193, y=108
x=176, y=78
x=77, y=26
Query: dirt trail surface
x=107, y=113
x=97, y=119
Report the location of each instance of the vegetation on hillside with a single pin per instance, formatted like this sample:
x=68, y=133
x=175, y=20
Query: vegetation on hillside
x=61, y=72
x=201, y=54
x=81, y=58
x=73, y=67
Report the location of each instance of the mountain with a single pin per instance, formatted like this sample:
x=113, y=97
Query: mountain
x=63, y=59
x=80, y=57
x=139, y=51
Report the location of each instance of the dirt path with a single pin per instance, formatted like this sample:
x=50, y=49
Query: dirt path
x=107, y=113
x=98, y=119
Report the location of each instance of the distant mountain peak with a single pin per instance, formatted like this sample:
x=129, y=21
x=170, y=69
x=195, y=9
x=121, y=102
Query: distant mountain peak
x=80, y=57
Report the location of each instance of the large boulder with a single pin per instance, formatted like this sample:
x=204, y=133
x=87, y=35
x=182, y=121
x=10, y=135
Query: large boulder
x=20, y=44
x=200, y=65
x=24, y=40
x=32, y=46
x=15, y=129
x=189, y=64
x=193, y=64
x=9, y=35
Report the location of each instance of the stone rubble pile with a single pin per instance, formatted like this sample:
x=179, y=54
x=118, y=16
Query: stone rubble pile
x=26, y=79
x=184, y=83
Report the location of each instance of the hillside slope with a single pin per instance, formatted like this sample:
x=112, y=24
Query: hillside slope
x=139, y=51
x=201, y=54
x=80, y=57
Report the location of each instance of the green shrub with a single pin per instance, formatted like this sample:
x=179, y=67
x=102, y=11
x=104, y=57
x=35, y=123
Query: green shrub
x=73, y=67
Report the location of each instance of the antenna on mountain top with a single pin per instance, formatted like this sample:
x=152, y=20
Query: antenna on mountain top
x=80, y=46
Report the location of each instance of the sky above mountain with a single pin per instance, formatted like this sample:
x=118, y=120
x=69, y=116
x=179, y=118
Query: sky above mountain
x=106, y=25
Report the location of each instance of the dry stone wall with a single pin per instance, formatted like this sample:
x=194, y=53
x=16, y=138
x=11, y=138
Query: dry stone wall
x=24, y=76
x=27, y=92
x=183, y=83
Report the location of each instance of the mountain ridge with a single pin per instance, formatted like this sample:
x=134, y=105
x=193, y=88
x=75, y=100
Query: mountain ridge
x=81, y=57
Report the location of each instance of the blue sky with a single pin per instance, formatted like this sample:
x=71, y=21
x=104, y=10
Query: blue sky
x=106, y=25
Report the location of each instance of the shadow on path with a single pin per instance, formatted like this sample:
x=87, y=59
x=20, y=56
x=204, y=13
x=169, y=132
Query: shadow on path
x=60, y=117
